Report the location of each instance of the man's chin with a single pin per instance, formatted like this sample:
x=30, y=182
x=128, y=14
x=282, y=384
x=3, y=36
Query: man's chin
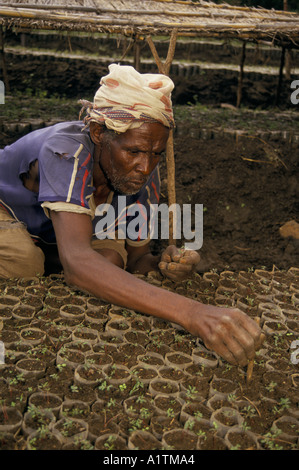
x=128, y=192
x=130, y=188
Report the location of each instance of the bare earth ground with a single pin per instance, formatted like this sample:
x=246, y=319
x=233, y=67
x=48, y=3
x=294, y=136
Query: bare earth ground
x=140, y=374
x=248, y=184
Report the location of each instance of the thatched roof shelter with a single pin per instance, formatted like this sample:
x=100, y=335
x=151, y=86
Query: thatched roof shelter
x=153, y=17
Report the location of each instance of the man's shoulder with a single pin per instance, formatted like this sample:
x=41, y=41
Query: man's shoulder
x=67, y=139
x=68, y=135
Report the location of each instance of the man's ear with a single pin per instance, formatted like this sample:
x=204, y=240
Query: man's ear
x=96, y=132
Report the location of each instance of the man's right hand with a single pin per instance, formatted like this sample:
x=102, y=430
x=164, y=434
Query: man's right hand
x=227, y=331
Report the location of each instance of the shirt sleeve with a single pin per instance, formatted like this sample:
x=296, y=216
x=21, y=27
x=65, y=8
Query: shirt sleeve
x=65, y=167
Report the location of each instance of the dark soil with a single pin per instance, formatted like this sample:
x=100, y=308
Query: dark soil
x=249, y=188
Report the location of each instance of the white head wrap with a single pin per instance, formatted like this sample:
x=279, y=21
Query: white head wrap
x=127, y=99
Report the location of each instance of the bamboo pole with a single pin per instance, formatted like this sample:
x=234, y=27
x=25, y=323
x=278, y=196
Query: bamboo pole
x=170, y=161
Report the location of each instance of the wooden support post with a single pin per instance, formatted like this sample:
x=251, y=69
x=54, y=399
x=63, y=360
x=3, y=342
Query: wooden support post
x=137, y=54
x=164, y=69
x=3, y=61
x=241, y=76
x=288, y=64
x=280, y=76
x=288, y=54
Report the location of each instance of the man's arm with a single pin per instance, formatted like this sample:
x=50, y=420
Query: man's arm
x=229, y=332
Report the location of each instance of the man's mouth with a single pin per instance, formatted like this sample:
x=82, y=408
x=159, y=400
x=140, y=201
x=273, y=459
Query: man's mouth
x=139, y=182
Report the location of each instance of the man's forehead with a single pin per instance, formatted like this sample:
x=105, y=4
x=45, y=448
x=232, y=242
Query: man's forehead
x=154, y=133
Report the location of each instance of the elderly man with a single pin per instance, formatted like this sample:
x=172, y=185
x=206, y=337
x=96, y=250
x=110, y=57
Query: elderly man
x=52, y=181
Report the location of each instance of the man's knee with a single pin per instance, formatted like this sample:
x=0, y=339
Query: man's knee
x=19, y=257
x=113, y=256
x=32, y=261
x=26, y=263
x=113, y=250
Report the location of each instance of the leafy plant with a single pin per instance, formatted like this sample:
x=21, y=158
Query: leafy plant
x=283, y=404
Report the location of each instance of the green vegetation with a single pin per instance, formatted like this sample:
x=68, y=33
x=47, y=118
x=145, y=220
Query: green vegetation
x=35, y=104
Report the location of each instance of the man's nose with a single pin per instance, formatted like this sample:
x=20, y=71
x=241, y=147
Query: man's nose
x=144, y=164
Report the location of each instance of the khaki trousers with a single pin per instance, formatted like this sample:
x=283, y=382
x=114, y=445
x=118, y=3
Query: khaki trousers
x=19, y=256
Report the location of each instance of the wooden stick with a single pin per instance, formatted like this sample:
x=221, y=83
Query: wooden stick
x=249, y=371
x=171, y=51
x=155, y=54
x=251, y=363
x=165, y=68
x=241, y=75
x=171, y=187
x=137, y=54
x=280, y=76
x=3, y=60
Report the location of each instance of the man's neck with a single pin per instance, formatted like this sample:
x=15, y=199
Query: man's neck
x=101, y=194
x=102, y=189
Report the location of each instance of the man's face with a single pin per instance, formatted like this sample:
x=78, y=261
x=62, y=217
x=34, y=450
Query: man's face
x=128, y=159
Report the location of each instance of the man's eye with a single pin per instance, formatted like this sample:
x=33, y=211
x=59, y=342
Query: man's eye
x=157, y=154
x=135, y=152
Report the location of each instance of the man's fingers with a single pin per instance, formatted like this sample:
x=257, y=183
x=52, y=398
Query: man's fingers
x=165, y=257
x=178, y=267
x=262, y=339
x=190, y=257
x=162, y=265
x=222, y=350
x=173, y=254
x=248, y=336
x=232, y=351
x=170, y=274
x=253, y=329
x=170, y=253
x=236, y=338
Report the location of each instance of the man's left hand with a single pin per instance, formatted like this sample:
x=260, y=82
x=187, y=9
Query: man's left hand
x=178, y=263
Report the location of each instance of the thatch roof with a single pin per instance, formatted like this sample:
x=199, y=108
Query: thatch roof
x=154, y=17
